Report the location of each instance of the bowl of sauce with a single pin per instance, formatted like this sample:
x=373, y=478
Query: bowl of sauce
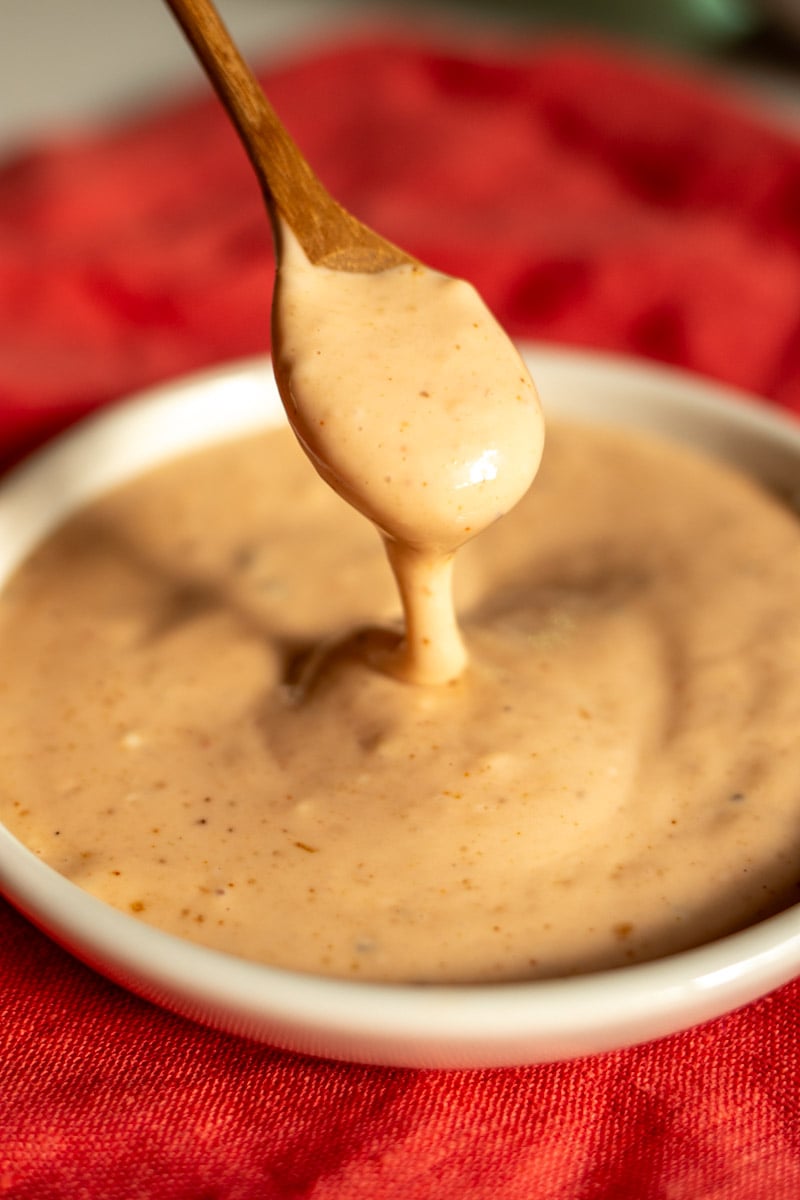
x=220, y=788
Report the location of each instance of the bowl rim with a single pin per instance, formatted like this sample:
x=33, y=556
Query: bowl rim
x=461, y=1025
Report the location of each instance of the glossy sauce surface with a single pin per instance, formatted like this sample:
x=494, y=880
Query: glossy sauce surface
x=614, y=775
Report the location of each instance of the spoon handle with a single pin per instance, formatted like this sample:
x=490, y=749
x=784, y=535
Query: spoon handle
x=329, y=235
x=279, y=165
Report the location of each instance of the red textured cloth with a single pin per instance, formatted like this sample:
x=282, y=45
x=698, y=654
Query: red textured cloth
x=594, y=199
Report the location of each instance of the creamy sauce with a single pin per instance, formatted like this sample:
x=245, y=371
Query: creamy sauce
x=613, y=777
x=412, y=402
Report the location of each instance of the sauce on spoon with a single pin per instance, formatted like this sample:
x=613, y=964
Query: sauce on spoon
x=413, y=404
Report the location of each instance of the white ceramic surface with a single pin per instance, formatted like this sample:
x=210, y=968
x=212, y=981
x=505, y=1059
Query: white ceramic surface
x=425, y=1026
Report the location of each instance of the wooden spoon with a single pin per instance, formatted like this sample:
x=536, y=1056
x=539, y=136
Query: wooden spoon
x=329, y=235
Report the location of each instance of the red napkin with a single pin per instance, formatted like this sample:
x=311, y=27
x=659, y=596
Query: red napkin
x=594, y=198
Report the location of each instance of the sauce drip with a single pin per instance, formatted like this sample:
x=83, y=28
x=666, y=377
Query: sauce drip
x=415, y=406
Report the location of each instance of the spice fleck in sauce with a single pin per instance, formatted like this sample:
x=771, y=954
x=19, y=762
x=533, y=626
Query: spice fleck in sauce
x=611, y=778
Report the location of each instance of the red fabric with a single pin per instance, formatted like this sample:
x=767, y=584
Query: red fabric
x=594, y=199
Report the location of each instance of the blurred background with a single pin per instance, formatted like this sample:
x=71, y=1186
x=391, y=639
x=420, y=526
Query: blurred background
x=63, y=64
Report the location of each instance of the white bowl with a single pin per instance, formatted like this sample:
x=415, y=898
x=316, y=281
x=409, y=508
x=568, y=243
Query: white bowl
x=416, y=1026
